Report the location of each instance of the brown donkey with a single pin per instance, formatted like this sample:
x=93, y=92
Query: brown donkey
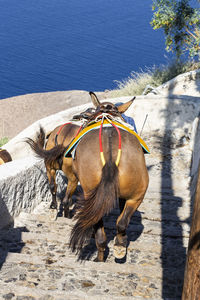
x=52, y=153
x=60, y=137
x=4, y=156
x=105, y=180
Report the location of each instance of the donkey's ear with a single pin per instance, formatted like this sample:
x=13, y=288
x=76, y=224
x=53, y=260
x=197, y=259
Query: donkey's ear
x=94, y=98
x=123, y=107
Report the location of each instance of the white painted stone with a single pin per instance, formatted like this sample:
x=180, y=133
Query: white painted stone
x=23, y=185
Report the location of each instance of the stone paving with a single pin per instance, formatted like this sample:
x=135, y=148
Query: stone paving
x=36, y=263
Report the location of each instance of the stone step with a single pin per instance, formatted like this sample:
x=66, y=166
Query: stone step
x=65, y=272
x=12, y=291
x=138, y=249
x=170, y=228
x=66, y=261
x=107, y=279
x=146, y=211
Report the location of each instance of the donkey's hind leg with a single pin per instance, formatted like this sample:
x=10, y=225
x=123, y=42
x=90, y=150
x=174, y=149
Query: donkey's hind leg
x=53, y=187
x=123, y=220
x=100, y=239
x=67, y=201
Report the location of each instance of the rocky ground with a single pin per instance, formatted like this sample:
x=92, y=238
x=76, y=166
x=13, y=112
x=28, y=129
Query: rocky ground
x=37, y=264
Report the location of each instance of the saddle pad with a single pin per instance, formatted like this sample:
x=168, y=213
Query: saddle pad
x=97, y=125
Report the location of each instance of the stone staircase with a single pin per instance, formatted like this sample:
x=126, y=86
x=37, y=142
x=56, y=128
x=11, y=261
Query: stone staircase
x=37, y=264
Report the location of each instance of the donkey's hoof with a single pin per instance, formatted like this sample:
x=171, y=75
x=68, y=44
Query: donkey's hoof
x=119, y=251
x=53, y=214
x=53, y=206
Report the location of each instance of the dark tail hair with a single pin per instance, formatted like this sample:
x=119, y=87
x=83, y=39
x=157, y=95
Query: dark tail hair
x=5, y=155
x=38, y=147
x=99, y=202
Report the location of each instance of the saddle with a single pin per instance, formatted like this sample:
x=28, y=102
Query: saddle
x=97, y=124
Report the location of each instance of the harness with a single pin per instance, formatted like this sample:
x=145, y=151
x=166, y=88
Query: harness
x=59, y=130
x=104, y=120
x=61, y=127
x=105, y=117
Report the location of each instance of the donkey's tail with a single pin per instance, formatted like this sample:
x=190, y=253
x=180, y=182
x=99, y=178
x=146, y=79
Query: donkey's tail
x=97, y=203
x=4, y=156
x=38, y=147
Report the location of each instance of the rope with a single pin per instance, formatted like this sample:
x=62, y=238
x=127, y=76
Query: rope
x=58, y=132
x=119, y=146
x=81, y=126
x=105, y=116
x=61, y=127
x=100, y=144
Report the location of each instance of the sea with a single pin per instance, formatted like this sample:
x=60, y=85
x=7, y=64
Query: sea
x=56, y=45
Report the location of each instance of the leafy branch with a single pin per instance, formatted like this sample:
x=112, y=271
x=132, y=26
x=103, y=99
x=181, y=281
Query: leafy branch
x=181, y=25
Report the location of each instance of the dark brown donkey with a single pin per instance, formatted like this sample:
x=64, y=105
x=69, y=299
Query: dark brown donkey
x=61, y=135
x=103, y=183
x=52, y=153
x=4, y=156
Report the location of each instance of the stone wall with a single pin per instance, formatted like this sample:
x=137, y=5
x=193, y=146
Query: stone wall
x=23, y=185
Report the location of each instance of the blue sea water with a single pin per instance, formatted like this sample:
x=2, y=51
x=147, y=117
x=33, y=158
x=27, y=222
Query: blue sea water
x=54, y=45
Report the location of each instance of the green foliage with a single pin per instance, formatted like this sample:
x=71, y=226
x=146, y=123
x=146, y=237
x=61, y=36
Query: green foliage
x=3, y=141
x=181, y=24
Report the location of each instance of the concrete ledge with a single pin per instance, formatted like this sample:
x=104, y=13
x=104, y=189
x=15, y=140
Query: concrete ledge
x=183, y=84
x=23, y=185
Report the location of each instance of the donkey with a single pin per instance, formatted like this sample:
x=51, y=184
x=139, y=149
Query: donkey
x=109, y=164
x=61, y=135
x=106, y=180
x=58, y=139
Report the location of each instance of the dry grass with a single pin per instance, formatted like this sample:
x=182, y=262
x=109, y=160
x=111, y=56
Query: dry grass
x=137, y=82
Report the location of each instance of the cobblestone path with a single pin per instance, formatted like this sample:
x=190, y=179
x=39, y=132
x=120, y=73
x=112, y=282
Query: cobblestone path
x=36, y=262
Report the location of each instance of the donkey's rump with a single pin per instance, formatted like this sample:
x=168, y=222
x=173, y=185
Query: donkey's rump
x=132, y=168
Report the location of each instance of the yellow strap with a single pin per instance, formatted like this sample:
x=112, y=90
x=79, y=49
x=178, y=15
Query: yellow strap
x=118, y=157
x=119, y=125
x=102, y=158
